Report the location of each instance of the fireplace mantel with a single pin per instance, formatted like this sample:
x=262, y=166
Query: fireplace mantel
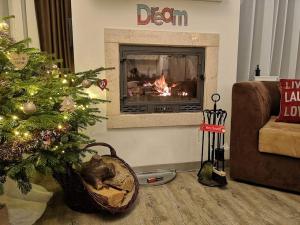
x=114, y=37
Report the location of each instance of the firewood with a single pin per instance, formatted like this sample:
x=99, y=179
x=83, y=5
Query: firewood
x=123, y=181
x=113, y=196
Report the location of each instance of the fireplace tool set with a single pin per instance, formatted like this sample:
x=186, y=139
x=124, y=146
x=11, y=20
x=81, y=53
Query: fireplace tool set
x=212, y=171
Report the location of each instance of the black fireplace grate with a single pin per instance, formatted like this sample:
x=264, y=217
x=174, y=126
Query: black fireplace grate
x=144, y=104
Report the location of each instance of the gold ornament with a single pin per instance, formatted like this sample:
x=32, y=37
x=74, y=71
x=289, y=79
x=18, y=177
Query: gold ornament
x=4, y=27
x=29, y=108
x=68, y=105
x=86, y=83
x=19, y=60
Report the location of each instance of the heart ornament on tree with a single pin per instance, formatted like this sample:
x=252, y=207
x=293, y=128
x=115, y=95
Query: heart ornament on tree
x=102, y=83
x=19, y=60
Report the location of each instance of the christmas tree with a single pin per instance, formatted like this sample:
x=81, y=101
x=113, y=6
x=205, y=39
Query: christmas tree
x=43, y=111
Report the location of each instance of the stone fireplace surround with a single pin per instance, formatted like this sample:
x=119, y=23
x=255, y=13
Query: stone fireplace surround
x=114, y=37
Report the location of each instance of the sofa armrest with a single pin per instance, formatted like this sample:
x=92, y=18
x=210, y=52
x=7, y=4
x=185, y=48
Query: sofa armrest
x=252, y=105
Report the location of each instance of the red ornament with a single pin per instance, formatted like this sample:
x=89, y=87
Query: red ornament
x=102, y=83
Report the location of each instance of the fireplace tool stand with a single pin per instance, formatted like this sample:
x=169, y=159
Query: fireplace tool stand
x=212, y=172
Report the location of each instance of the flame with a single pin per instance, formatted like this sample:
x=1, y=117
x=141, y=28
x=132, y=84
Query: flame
x=161, y=86
x=183, y=93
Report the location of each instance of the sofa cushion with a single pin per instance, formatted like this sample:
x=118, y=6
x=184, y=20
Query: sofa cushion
x=280, y=138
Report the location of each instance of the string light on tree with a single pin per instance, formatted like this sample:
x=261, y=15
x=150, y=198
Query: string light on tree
x=4, y=26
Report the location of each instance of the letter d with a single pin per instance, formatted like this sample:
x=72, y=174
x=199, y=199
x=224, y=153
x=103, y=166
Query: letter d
x=140, y=21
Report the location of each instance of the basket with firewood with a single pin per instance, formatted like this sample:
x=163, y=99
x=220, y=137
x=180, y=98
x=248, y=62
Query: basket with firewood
x=105, y=183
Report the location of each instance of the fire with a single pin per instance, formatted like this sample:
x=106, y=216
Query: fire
x=161, y=86
x=183, y=93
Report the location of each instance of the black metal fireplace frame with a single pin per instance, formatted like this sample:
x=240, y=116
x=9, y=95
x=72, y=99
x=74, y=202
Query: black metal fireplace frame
x=190, y=105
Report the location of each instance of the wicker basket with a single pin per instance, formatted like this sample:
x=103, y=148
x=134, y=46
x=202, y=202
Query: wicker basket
x=79, y=197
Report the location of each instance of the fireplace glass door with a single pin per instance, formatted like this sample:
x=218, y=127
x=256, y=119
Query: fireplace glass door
x=157, y=79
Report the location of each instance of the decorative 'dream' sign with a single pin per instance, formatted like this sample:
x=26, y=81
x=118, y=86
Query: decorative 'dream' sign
x=146, y=14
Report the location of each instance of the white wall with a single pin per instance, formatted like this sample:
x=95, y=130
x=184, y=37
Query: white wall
x=148, y=146
x=24, y=24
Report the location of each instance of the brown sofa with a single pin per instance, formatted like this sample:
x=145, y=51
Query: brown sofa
x=253, y=103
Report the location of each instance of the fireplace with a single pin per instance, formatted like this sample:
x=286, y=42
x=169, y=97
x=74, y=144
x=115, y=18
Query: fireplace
x=161, y=79
x=146, y=105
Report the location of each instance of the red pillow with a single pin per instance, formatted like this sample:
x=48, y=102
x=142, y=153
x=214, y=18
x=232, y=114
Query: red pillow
x=290, y=101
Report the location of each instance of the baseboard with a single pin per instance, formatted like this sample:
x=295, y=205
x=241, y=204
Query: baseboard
x=180, y=167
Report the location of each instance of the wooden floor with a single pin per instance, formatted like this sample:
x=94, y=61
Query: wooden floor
x=185, y=202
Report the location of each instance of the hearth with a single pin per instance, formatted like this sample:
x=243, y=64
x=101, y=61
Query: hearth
x=158, y=79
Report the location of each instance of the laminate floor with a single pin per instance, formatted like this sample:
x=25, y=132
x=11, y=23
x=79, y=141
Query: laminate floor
x=186, y=202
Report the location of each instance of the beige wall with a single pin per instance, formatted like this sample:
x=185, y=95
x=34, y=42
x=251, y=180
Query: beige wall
x=148, y=146
x=3, y=8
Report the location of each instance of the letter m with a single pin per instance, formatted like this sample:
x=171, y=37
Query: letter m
x=180, y=14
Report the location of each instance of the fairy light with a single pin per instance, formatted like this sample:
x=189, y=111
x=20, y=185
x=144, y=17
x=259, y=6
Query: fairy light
x=26, y=134
x=33, y=90
x=50, y=98
x=1, y=117
x=14, y=117
x=59, y=126
x=65, y=75
x=17, y=132
x=64, y=81
x=65, y=117
x=21, y=107
x=55, y=147
x=63, y=151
